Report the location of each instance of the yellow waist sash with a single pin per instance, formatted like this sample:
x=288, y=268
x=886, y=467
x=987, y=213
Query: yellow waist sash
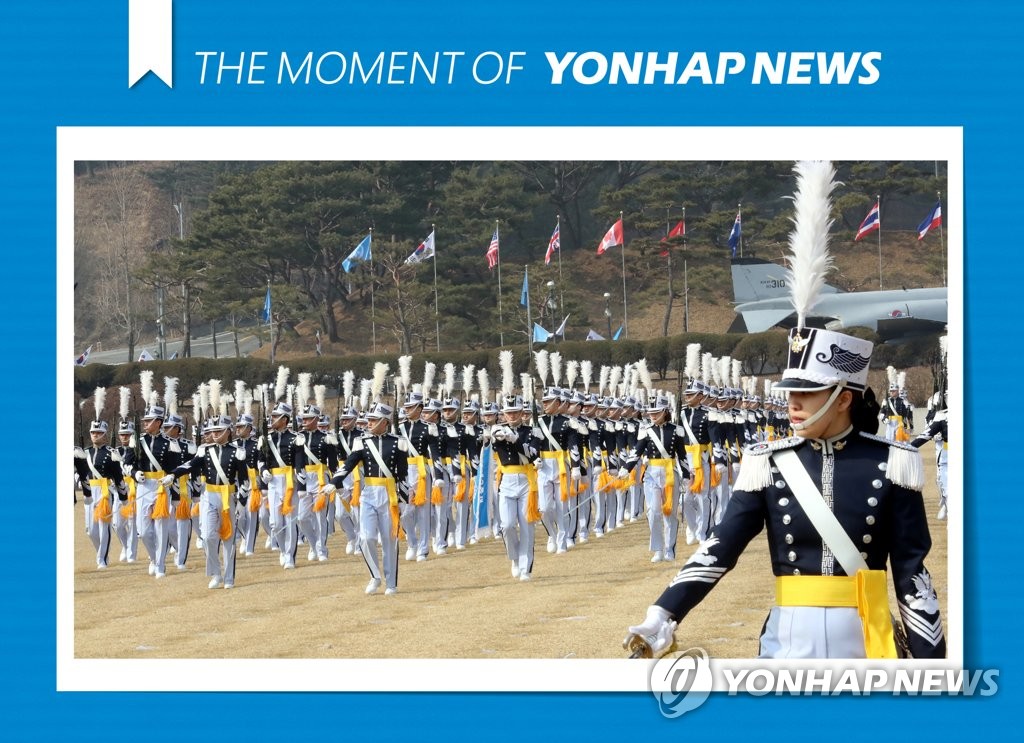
x=389, y=484
x=866, y=590
x=670, y=482
x=420, y=496
x=563, y=477
x=224, y=491
x=532, y=493
x=319, y=470
x=101, y=510
x=256, y=498
x=160, y=510
x=289, y=486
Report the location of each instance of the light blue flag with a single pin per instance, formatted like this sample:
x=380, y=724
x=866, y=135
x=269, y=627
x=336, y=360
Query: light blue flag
x=540, y=335
x=266, y=308
x=482, y=492
x=361, y=253
x=524, y=295
x=617, y=333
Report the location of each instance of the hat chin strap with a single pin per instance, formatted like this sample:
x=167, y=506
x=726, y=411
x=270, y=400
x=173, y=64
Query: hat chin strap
x=821, y=411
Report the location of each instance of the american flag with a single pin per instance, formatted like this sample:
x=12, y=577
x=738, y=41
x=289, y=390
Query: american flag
x=492, y=250
x=553, y=244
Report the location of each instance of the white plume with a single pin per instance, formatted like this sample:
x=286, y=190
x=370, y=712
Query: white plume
x=707, y=364
x=809, y=260
x=508, y=380
x=645, y=375
x=943, y=348
x=767, y=388
x=99, y=400
x=890, y=372
x=527, y=384
x=125, y=402
x=320, y=394
x=364, y=393
x=541, y=359
x=603, y=379
x=304, y=388
x=289, y=392
x=724, y=371
x=239, y=396
x=154, y=398
x=901, y=380
x=449, y=379
x=197, y=410
x=145, y=385
x=224, y=400
x=627, y=379
x=467, y=380
x=348, y=386
x=215, y=395
x=429, y=369
x=405, y=372
x=587, y=372
x=692, y=370
x=484, y=383
x=282, y=381
x=556, y=368
x=737, y=371
x=171, y=395
x=572, y=369
x=380, y=373
x=613, y=381
x=247, y=402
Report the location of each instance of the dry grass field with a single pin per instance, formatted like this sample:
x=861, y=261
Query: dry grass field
x=461, y=605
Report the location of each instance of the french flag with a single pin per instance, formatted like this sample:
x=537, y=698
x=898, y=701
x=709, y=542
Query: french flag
x=933, y=220
x=871, y=223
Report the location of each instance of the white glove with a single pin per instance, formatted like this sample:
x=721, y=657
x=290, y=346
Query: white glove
x=456, y=479
x=79, y=452
x=266, y=477
x=597, y=468
x=328, y=489
x=498, y=433
x=575, y=473
x=538, y=463
x=140, y=476
x=166, y=480
x=623, y=473
x=657, y=628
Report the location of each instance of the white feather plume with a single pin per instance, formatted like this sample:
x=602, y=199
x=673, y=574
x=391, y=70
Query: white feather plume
x=197, y=405
x=572, y=369
x=124, y=402
x=282, y=382
x=348, y=386
x=449, y=379
x=320, y=395
x=508, y=380
x=692, y=369
x=541, y=360
x=890, y=373
x=767, y=388
x=737, y=371
x=707, y=367
x=645, y=376
x=224, y=400
x=943, y=348
x=467, y=380
x=380, y=373
x=604, y=377
x=99, y=400
x=526, y=381
x=171, y=395
x=613, y=381
x=483, y=382
x=364, y=393
x=145, y=385
x=247, y=399
x=555, y=359
x=724, y=371
x=289, y=395
x=587, y=373
x=405, y=372
x=154, y=398
x=901, y=380
x=239, y=396
x=304, y=388
x=429, y=370
x=809, y=259
x=214, y=385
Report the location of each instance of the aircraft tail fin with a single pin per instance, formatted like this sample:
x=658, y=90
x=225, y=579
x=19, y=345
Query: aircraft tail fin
x=754, y=279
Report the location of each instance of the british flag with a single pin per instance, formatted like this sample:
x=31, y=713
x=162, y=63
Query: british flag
x=554, y=244
x=492, y=250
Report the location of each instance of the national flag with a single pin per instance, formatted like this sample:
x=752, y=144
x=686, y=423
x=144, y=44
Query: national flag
x=594, y=336
x=83, y=359
x=266, y=307
x=871, y=223
x=423, y=251
x=481, y=492
x=540, y=335
x=560, y=333
x=555, y=243
x=612, y=238
x=360, y=254
x=678, y=231
x=492, y=250
x=735, y=235
x=933, y=220
x=173, y=356
x=618, y=333
x=524, y=295
x=146, y=355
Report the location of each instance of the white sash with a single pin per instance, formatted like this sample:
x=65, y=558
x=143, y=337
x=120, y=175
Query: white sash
x=273, y=448
x=92, y=468
x=547, y=433
x=149, y=453
x=217, y=466
x=368, y=442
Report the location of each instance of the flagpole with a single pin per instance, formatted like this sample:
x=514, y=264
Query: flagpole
x=373, y=304
x=942, y=241
x=270, y=320
x=625, y=316
x=529, y=314
x=878, y=205
x=739, y=212
x=437, y=316
x=501, y=321
x=561, y=295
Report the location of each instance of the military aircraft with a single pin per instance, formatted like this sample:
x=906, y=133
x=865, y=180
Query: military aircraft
x=762, y=301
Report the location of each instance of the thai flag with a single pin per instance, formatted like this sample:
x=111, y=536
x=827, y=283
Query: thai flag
x=554, y=244
x=871, y=223
x=933, y=220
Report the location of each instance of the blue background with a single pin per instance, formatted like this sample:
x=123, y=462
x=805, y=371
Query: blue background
x=944, y=63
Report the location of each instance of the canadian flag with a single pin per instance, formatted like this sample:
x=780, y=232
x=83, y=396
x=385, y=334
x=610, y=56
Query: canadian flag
x=612, y=238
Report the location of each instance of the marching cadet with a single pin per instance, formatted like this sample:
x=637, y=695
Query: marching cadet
x=384, y=458
x=320, y=452
x=282, y=460
x=838, y=501
x=441, y=489
x=459, y=438
x=99, y=470
x=323, y=425
x=180, y=532
x=124, y=516
x=472, y=443
x=421, y=439
x=489, y=415
x=223, y=469
x=346, y=508
x=248, y=523
x=894, y=410
x=937, y=430
x=558, y=456
x=580, y=495
x=152, y=475
x=664, y=446
x=518, y=505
